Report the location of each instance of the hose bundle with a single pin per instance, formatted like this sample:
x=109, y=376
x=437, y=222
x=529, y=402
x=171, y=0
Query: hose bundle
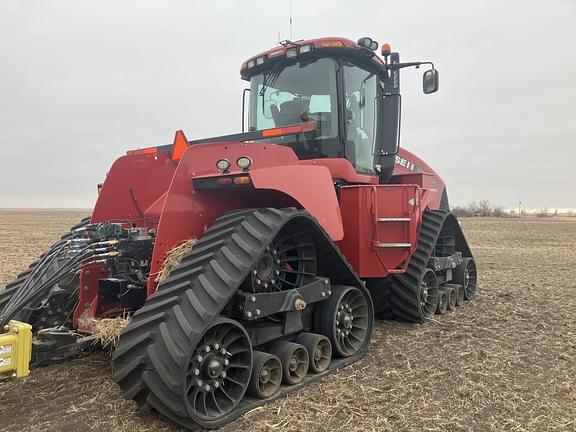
x=64, y=259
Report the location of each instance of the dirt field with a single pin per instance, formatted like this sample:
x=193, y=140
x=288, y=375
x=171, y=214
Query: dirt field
x=506, y=362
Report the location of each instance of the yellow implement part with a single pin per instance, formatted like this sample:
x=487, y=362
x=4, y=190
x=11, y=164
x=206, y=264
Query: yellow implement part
x=16, y=349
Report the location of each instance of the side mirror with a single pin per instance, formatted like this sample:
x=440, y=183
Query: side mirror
x=430, y=81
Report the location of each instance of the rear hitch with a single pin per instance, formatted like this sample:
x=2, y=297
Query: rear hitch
x=60, y=343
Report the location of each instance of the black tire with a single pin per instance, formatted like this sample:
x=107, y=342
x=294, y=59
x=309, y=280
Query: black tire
x=319, y=350
x=466, y=275
x=294, y=359
x=442, y=306
x=345, y=319
x=266, y=375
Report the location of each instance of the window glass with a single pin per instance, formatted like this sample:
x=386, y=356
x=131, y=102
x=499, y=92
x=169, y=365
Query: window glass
x=360, y=90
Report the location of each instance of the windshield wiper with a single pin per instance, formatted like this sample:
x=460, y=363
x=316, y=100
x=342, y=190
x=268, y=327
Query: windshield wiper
x=271, y=77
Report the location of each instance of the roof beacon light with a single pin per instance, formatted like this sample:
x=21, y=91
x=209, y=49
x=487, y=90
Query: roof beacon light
x=386, y=49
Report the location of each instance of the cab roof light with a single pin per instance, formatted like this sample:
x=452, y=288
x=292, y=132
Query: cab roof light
x=367, y=42
x=291, y=53
x=251, y=64
x=332, y=43
x=260, y=60
x=306, y=49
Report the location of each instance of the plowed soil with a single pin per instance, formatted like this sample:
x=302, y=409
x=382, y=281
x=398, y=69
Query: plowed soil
x=506, y=362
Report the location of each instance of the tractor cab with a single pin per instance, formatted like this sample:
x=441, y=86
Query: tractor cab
x=345, y=88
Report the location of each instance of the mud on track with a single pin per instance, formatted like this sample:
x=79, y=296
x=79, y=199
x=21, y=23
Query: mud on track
x=505, y=362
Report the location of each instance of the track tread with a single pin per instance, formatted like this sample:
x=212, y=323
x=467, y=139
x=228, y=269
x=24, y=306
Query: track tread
x=404, y=288
x=153, y=370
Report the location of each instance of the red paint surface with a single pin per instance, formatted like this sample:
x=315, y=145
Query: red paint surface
x=152, y=190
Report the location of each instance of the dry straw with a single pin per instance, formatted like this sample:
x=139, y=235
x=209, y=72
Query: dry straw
x=174, y=257
x=108, y=330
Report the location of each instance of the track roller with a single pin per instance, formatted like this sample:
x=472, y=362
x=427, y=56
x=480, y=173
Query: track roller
x=294, y=359
x=451, y=293
x=442, y=306
x=266, y=375
x=465, y=275
x=319, y=350
x=344, y=320
x=459, y=290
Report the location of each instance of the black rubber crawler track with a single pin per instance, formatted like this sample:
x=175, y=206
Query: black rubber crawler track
x=404, y=302
x=151, y=360
x=12, y=287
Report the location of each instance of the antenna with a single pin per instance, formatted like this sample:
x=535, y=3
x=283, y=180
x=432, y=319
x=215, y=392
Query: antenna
x=290, y=19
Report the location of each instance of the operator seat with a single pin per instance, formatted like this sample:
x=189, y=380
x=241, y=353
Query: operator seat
x=291, y=112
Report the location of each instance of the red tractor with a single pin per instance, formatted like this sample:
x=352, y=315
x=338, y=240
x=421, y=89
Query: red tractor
x=306, y=227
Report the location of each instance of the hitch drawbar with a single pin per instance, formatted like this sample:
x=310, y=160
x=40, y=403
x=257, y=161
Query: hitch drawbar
x=16, y=350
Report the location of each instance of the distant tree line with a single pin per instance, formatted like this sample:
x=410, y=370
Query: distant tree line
x=485, y=208
x=482, y=208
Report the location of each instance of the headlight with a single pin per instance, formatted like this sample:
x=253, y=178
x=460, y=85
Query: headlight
x=244, y=162
x=223, y=165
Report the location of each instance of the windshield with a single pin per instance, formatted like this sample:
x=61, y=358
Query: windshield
x=294, y=94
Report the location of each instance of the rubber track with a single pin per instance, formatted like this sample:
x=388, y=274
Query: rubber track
x=12, y=287
x=151, y=360
x=404, y=288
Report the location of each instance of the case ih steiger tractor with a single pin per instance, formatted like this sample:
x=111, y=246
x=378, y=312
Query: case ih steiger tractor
x=307, y=226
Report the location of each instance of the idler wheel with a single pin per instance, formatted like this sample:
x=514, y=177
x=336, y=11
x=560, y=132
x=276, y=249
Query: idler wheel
x=344, y=319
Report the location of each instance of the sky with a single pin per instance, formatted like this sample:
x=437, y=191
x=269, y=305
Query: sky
x=81, y=82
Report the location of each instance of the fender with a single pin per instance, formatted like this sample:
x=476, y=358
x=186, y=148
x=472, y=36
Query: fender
x=277, y=181
x=310, y=186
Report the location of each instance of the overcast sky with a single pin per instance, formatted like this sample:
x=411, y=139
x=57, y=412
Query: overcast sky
x=83, y=81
